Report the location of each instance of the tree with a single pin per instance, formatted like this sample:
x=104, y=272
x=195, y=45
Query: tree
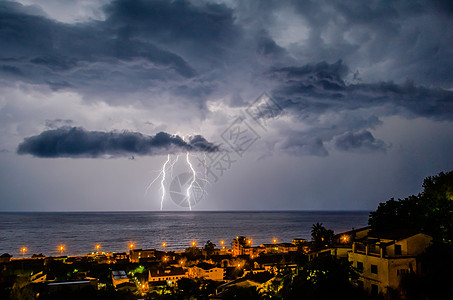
x=209, y=247
x=321, y=237
x=430, y=212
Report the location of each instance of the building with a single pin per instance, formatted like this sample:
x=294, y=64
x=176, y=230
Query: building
x=170, y=275
x=382, y=259
x=5, y=258
x=207, y=271
x=241, y=246
x=278, y=248
x=119, y=277
x=136, y=254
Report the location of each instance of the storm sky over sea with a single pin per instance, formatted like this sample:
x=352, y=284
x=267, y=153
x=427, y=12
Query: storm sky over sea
x=280, y=105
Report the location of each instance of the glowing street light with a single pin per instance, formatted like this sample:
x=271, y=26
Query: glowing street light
x=98, y=247
x=249, y=242
x=345, y=238
x=274, y=241
x=194, y=243
x=164, y=244
x=222, y=242
x=165, y=259
x=23, y=250
x=61, y=249
x=131, y=246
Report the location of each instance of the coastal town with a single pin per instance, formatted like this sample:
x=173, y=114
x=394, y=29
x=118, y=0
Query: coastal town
x=215, y=270
x=404, y=253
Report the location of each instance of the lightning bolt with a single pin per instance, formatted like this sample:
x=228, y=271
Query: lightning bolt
x=169, y=165
x=172, y=165
x=162, y=174
x=162, y=186
x=189, y=188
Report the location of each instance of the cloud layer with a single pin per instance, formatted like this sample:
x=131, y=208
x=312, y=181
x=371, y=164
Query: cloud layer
x=76, y=142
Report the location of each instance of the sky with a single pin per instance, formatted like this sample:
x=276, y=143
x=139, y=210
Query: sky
x=274, y=105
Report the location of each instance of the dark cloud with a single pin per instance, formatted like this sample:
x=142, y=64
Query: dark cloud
x=359, y=141
x=77, y=142
x=139, y=47
x=332, y=111
x=52, y=124
x=317, y=88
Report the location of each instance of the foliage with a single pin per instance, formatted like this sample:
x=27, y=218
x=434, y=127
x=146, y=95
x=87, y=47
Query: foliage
x=321, y=237
x=209, y=247
x=430, y=212
x=324, y=277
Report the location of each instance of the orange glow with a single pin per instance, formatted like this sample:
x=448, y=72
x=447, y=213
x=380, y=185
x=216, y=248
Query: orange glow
x=345, y=238
x=239, y=265
x=181, y=262
x=249, y=241
x=222, y=243
x=164, y=244
x=61, y=249
x=165, y=258
x=194, y=243
x=131, y=245
x=274, y=241
x=23, y=250
x=98, y=247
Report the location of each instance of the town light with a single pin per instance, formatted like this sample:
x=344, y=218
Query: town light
x=164, y=244
x=98, y=247
x=181, y=262
x=194, y=243
x=249, y=242
x=239, y=265
x=345, y=238
x=131, y=246
x=274, y=241
x=61, y=249
x=165, y=258
x=23, y=250
x=222, y=242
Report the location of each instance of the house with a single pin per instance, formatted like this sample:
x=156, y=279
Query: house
x=206, y=271
x=278, y=248
x=119, y=277
x=136, y=254
x=5, y=258
x=383, y=258
x=170, y=275
x=72, y=286
x=38, y=277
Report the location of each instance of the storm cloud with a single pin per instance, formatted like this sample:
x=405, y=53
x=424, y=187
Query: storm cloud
x=77, y=142
x=355, y=83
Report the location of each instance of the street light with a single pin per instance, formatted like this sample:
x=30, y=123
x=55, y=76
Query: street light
x=274, y=241
x=164, y=245
x=131, y=246
x=23, y=250
x=98, y=247
x=194, y=243
x=345, y=238
x=61, y=249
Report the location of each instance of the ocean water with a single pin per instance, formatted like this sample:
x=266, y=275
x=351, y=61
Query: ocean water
x=80, y=232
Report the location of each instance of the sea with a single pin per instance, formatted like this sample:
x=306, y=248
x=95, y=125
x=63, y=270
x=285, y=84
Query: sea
x=80, y=232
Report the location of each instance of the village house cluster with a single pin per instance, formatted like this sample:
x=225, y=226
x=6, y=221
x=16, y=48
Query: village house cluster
x=380, y=259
